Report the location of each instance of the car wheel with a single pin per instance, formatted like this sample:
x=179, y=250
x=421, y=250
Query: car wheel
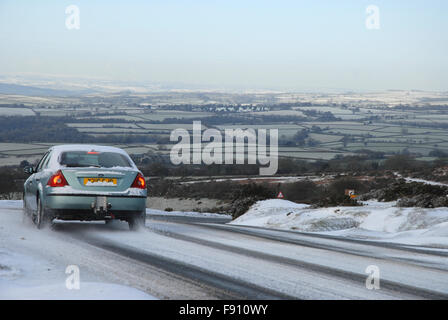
x=40, y=217
x=137, y=222
x=25, y=211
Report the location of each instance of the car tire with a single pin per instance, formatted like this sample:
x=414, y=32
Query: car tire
x=137, y=222
x=25, y=211
x=41, y=217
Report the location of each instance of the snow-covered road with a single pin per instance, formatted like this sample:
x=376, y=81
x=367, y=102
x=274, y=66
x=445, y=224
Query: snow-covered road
x=202, y=258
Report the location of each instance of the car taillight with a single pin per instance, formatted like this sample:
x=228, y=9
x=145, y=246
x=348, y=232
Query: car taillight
x=139, y=182
x=57, y=180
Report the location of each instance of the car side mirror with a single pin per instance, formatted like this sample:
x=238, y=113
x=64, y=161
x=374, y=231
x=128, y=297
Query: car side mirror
x=28, y=170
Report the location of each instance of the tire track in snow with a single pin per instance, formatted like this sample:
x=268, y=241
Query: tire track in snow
x=263, y=233
x=269, y=234
x=225, y=286
x=393, y=287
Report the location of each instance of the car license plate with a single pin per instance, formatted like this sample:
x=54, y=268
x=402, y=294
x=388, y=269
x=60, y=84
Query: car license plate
x=100, y=182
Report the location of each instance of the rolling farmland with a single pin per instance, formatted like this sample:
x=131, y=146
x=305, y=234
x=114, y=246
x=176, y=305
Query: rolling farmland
x=352, y=127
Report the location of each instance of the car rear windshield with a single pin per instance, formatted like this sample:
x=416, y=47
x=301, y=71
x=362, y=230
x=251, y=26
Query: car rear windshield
x=93, y=159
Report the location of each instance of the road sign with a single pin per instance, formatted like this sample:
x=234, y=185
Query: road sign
x=350, y=193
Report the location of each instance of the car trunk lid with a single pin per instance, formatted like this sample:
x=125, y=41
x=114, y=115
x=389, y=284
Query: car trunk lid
x=99, y=179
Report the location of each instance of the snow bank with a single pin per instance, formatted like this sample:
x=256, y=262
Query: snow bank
x=270, y=213
x=377, y=220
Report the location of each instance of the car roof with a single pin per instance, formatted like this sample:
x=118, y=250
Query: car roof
x=86, y=147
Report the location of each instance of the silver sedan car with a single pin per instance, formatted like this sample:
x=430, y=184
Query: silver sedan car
x=85, y=182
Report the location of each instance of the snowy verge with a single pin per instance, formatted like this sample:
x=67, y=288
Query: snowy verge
x=374, y=220
x=33, y=264
x=17, y=204
x=87, y=291
x=150, y=212
x=23, y=277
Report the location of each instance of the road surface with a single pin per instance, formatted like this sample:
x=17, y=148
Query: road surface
x=204, y=258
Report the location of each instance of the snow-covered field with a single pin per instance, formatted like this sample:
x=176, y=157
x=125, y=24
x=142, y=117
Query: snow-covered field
x=375, y=220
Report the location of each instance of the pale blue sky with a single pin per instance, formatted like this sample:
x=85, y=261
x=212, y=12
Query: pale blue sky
x=257, y=44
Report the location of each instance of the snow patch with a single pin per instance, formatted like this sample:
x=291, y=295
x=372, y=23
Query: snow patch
x=87, y=291
x=150, y=212
x=374, y=220
x=21, y=278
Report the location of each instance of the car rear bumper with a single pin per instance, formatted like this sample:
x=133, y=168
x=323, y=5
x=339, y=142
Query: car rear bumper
x=117, y=203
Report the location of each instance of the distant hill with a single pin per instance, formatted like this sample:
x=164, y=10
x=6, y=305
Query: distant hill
x=7, y=88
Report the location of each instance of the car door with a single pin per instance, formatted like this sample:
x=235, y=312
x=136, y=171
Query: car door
x=32, y=184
